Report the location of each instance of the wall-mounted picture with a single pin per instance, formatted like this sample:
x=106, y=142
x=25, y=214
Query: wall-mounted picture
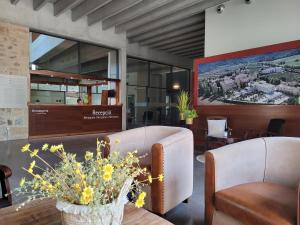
x=268, y=75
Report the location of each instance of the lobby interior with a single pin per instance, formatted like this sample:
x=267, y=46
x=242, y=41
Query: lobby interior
x=77, y=72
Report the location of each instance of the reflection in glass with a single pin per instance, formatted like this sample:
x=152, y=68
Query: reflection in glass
x=137, y=72
x=62, y=55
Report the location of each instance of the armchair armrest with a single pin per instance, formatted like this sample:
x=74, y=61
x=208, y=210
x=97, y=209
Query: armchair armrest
x=5, y=172
x=298, y=212
x=172, y=157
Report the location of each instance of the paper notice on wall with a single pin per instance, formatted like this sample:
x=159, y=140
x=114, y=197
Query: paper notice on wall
x=13, y=91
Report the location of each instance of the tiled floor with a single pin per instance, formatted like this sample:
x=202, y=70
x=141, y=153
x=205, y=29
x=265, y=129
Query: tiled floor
x=191, y=213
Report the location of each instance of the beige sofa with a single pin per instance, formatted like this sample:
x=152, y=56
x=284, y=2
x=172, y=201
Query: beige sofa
x=169, y=151
x=253, y=182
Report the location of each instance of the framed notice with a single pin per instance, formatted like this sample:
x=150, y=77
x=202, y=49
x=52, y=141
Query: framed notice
x=13, y=91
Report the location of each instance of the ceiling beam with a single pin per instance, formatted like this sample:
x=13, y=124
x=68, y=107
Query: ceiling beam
x=87, y=7
x=129, y=14
x=110, y=9
x=195, y=34
x=181, y=43
x=62, y=6
x=174, y=34
x=187, y=50
x=193, y=53
x=164, y=11
x=14, y=2
x=37, y=4
x=196, y=44
x=195, y=56
x=138, y=34
x=155, y=20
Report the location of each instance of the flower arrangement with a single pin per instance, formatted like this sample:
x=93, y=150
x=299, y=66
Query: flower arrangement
x=95, y=182
x=182, y=103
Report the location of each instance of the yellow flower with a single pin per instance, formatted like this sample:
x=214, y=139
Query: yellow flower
x=150, y=179
x=54, y=148
x=32, y=165
x=139, y=203
x=117, y=141
x=77, y=171
x=161, y=177
x=45, y=147
x=86, y=196
x=25, y=148
x=107, y=176
x=88, y=155
x=77, y=187
x=77, y=165
x=142, y=195
x=50, y=188
x=108, y=169
x=22, y=182
x=34, y=153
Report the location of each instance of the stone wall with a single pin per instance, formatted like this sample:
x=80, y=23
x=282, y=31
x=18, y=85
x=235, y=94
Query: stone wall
x=14, y=59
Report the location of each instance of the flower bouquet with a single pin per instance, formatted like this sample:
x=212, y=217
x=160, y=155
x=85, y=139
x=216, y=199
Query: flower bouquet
x=93, y=191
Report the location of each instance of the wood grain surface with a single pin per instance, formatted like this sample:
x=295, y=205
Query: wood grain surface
x=248, y=118
x=44, y=212
x=58, y=120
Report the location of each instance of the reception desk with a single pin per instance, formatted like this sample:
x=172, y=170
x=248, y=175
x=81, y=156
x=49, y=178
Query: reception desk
x=57, y=120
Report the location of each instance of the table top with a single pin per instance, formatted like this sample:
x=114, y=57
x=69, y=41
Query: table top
x=44, y=212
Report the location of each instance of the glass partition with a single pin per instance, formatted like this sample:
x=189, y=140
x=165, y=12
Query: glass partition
x=71, y=72
x=62, y=55
x=152, y=90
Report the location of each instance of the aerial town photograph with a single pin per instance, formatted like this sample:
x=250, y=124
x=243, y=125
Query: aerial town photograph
x=271, y=78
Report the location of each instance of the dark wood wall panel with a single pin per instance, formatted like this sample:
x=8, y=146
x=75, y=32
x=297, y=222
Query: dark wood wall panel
x=54, y=120
x=243, y=118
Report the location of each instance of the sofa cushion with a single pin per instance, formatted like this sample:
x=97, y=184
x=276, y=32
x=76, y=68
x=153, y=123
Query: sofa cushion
x=259, y=203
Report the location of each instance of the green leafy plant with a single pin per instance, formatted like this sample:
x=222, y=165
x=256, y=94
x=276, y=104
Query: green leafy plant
x=183, y=101
x=191, y=114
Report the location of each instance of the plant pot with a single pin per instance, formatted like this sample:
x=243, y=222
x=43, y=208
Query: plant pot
x=181, y=116
x=109, y=214
x=189, y=121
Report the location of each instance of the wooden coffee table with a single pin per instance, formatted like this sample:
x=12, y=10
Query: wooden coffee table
x=44, y=212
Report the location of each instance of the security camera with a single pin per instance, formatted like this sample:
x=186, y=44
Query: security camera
x=220, y=8
x=248, y=1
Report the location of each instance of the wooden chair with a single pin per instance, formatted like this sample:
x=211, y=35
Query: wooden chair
x=5, y=173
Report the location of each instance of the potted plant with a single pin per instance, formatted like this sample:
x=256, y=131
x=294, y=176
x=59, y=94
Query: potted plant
x=91, y=192
x=190, y=115
x=182, y=104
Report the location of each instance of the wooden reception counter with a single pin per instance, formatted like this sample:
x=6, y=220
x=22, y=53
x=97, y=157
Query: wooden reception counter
x=57, y=120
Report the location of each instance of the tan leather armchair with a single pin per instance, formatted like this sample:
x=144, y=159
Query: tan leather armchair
x=253, y=182
x=168, y=151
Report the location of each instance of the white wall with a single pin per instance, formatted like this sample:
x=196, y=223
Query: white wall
x=242, y=26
